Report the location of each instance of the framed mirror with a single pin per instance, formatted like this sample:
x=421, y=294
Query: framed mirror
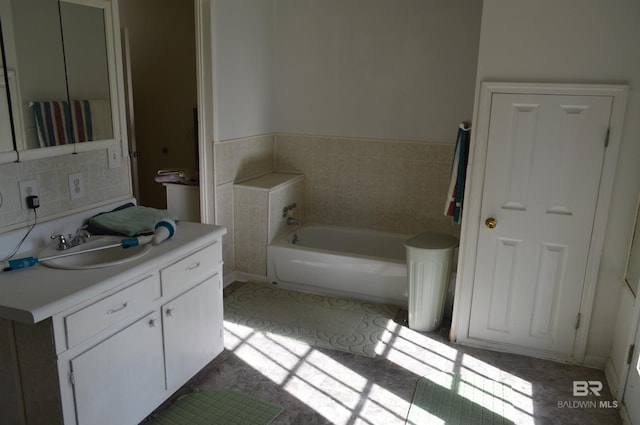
x=62, y=54
x=7, y=84
x=632, y=272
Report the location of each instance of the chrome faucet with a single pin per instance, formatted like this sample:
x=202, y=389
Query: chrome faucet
x=69, y=241
x=62, y=242
x=294, y=221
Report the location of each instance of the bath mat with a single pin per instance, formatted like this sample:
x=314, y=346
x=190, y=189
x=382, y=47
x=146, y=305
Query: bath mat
x=339, y=323
x=217, y=407
x=443, y=397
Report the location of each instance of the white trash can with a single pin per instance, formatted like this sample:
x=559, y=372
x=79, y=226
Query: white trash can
x=429, y=261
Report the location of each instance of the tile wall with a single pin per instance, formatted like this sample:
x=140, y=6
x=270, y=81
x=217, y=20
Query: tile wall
x=258, y=219
x=250, y=229
x=242, y=159
x=388, y=185
x=101, y=184
x=237, y=160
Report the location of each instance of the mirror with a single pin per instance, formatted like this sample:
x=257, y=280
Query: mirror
x=632, y=272
x=60, y=54
x=7, y=80
x=85, y=53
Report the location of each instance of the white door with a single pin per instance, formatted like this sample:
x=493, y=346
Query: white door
x=632, y=388
x=544, y=162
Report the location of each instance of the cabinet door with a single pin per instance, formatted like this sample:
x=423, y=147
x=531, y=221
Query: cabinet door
x=192, y=326
x=120, y=380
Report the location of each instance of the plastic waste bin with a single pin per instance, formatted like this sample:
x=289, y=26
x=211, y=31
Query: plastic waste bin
x=429, y=261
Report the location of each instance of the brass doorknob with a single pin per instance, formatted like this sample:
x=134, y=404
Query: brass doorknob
x=491, y=223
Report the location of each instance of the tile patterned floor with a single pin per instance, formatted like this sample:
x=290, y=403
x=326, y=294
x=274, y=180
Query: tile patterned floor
x=321, y=386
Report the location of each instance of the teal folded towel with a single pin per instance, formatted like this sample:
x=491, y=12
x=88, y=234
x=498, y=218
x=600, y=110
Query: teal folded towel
x=130, y=221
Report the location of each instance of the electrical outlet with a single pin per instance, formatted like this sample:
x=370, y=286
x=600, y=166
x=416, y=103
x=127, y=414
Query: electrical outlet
x=28, y=188
x=76, y=186
x=113, y=157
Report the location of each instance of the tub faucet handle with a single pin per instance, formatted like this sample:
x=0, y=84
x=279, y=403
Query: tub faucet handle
x=286, y=209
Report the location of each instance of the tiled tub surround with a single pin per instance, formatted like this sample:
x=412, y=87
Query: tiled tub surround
x=101, y=184
x=237, y=160
x=258, y=205
x=242, y=159
x=395, y=186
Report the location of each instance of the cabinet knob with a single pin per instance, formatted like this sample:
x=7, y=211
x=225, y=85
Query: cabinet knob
x=153, y=323
x=170, y=312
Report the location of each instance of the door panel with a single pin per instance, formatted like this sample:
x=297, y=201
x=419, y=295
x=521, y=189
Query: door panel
x=544, y=160
x=632, y=387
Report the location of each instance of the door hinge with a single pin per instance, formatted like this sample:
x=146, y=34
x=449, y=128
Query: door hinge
x=72, y=379
x=630, y=354
x=578, y=321
x=606, y=139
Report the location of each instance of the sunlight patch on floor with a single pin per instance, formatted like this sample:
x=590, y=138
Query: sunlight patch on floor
x=344, y=396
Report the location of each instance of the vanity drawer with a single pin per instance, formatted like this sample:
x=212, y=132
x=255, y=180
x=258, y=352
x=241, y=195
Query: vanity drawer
x=191, y=270
x=109, y=311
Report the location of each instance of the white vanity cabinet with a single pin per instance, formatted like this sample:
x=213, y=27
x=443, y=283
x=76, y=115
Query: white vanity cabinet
x=191, y=330
x=114, y=357
x=116, y=381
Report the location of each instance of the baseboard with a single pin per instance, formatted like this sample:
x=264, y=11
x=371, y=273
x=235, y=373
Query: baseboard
x=596, y=362
x=245, y=277
x=228, y=279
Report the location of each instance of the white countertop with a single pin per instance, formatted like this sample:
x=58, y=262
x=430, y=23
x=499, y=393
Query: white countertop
x=36, y=293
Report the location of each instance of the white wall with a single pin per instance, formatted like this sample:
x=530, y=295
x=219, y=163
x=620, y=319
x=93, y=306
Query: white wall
x=578, y=41
x=378, y=69
x=243, y=46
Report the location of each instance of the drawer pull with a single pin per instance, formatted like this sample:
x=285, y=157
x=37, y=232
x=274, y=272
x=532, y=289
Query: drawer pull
x=153, y=323
x=117, y=309
x=171, y=312
x=192, y=266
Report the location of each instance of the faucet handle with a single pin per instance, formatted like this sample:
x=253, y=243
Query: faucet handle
x=286, y=209
x=82, y=232
x=62, y=241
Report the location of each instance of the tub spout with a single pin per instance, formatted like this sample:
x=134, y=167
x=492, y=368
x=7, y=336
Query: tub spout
x=294, y=221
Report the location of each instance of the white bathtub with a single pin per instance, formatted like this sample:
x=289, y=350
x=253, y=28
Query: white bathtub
x=341, y=261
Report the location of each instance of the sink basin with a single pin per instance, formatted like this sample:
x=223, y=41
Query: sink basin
x=94, y=259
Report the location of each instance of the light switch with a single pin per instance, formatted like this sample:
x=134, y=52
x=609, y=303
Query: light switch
x=114, y=159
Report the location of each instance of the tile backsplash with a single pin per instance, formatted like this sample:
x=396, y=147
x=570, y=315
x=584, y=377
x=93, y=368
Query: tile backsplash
x=100, y=183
